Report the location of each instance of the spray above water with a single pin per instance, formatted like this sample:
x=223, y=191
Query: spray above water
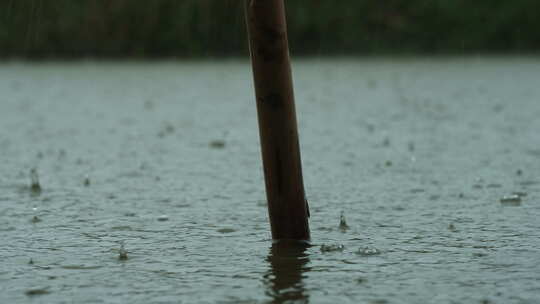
x=35, y=186
x=122, y=253
x=343, y=223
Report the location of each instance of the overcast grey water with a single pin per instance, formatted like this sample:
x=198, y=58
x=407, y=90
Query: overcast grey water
x=422, y=175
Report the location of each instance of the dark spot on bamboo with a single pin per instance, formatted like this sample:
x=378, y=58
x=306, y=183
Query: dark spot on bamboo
x=269, y=55
x=270, y=44
x=278, y=172
x=256, y=4
x=271, y=35
x=274, y=101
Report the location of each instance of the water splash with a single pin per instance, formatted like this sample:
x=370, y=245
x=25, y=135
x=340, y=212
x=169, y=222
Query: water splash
x=35, y=186
x=511, y=200
x=368, y=251
x=332, y=248
x=343, y=223
x=122, y=252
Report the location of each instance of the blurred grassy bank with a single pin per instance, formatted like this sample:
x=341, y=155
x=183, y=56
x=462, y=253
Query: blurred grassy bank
x=200, y=28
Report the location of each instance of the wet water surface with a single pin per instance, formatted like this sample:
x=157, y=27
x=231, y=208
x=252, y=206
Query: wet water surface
x=142, y=182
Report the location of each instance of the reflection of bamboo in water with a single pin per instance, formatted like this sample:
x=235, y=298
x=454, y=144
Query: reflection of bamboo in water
x=288, y=265
x=287, y=206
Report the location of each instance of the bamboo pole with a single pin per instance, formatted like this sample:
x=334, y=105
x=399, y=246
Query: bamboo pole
x=267, y=33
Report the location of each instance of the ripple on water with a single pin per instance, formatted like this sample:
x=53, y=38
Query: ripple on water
x=215, y=248
x=37, y=291
x=226, y=230
x=368, y=251
x=332, y=248
x=163, y=218
x=81, y=267
x=511, y=200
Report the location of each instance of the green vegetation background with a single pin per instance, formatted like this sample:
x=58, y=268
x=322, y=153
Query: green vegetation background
x=201, y=28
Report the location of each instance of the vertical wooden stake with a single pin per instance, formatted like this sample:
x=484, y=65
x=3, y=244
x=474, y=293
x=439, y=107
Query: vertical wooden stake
x=267, y=33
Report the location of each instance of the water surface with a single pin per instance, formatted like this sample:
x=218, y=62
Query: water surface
x=164, y=159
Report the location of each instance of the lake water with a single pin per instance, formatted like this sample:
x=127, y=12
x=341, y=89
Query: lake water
x=434, y=162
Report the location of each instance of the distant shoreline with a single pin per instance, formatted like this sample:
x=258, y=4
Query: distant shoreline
x=67, y=29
